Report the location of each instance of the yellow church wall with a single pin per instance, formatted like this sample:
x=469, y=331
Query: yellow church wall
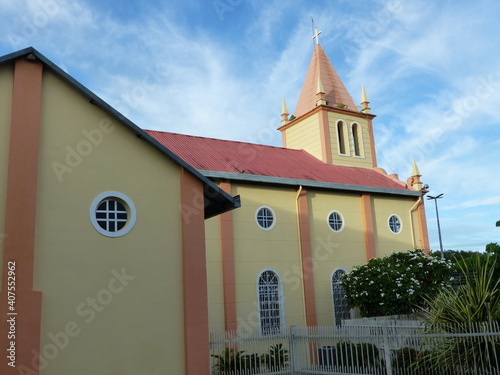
x=214, y=272
x=387, y=241
x=305, y=135
x=121, y=298
x=278, y=248
x=332, y=250
x=257, y=250
x=352, y=161
x=6, y=81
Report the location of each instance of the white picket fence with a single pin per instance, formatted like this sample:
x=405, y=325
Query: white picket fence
x=379, y=348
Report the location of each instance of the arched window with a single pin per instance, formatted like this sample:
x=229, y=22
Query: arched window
x=342, y=138
x=340, y=308
x=270, y=302
x=357, y=140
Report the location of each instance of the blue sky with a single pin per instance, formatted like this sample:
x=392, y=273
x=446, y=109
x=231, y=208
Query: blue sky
x=220, y=69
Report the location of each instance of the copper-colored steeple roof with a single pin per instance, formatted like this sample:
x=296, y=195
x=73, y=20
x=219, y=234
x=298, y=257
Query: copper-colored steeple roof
x=335, y=91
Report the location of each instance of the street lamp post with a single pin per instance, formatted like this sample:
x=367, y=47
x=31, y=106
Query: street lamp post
x=437, y=217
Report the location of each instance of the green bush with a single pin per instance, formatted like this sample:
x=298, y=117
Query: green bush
x=476, y=301
x=410, y=361
x=232, y=362
x=472, y=308
x=396, y=284
x=276, y=359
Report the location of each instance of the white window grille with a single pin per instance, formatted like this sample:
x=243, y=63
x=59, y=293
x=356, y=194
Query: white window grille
x=340, y=307
x=395, y=224
x=269, y=302
x=335, y=221
x=112, y=214
x=265, y=218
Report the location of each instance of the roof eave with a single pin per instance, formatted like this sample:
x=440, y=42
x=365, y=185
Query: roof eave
x=328, y=108
x=309, y=183
x=216, y=200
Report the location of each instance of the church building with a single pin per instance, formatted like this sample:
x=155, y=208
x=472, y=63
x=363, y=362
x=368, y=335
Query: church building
x=311, y=210
x=121, y=248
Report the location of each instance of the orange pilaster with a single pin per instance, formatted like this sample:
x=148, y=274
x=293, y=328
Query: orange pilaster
x=422, y=228
x=228, y=271
x=20, y=305
x=283, y=138
x=366, y=208
x=326, y=145
x=307, y=259
x=372, y=143
x=196, y=335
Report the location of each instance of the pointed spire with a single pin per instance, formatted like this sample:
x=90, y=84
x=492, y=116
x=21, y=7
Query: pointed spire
x=284, y=113
x=414, y=169
x=320, y=94
x=364, y=101
x=414, y=181
x=321, y=90
x=284, y=108
x=364, y=97
x=336, y=94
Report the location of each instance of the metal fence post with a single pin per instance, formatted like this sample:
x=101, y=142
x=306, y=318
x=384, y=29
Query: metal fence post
x=387, y=349
x=294, y=350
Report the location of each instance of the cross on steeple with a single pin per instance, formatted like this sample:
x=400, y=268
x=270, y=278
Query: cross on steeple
x=316, y=35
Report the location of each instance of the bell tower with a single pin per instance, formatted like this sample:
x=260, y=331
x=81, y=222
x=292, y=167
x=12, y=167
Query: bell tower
x=327, y=123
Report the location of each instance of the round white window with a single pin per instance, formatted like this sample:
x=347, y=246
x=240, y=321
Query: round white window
x=395, y=224
x=265, y=218
x=335, y=221
x=112, y=214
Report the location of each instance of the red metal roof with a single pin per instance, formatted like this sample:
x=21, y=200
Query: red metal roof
x=253, y=159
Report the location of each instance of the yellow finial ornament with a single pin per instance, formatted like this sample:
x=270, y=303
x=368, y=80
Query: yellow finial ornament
x=284, y=113
x=364, y=101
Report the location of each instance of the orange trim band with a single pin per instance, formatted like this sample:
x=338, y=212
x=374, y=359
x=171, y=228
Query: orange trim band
x=307, y=259
x=20, y=222
x=228, y=271
x=366, y=208
x=196, y=336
